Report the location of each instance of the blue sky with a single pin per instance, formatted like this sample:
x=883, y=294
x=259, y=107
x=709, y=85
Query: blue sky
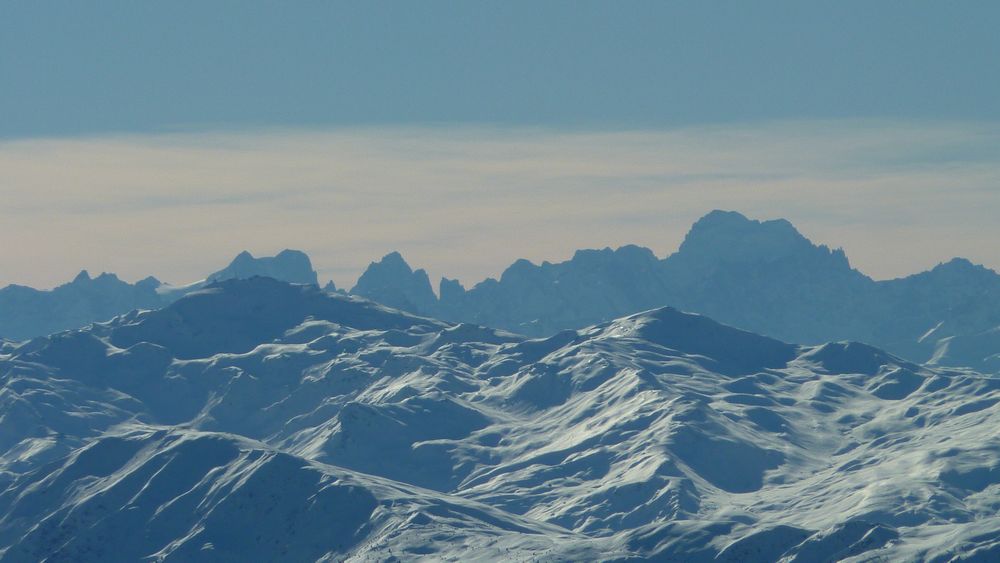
x=163, y=138
x=91, y=67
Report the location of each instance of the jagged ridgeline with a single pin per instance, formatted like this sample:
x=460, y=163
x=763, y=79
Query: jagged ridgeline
x=256, y=420
x=762, y=276
x=26, y=312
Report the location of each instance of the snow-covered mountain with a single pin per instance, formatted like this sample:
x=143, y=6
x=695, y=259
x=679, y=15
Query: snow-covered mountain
x=257, y=420
x=26, y=312
x=762, y=276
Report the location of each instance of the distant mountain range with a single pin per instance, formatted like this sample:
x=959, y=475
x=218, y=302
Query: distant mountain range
x=256, y=420
x=762, y=276
x=26, y=312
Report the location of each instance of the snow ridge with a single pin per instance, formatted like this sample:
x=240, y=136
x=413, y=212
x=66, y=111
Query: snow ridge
x=256, y=419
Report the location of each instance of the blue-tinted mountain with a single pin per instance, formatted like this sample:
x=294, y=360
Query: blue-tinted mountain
x=292, y=266
x=27, y=312
x=392, y=282
x=763, y=276
x=255, y=420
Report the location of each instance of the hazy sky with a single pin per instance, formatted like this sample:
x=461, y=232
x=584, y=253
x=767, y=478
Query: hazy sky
x=163, y=138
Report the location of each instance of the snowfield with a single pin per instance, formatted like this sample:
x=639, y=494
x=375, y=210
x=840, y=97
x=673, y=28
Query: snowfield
x=259, y=420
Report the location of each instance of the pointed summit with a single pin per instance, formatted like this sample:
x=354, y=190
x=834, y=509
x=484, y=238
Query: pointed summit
x=394, y=258
x=392, y=282
x=243, y=258
x=83, y=276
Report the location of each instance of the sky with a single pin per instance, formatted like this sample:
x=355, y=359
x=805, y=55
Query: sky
x=163, y=138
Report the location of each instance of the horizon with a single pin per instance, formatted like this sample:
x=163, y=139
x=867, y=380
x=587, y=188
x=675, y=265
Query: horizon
x=465, y=201
x=159, y=140
x=472, y=283
x=812, y=373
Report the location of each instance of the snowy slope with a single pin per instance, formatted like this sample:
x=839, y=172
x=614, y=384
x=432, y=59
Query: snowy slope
x=219, y=426
x=182, y=495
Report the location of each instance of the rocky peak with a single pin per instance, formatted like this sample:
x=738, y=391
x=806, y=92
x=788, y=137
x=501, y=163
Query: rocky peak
x=392, y=282
x=292, y=266
x=728, y=237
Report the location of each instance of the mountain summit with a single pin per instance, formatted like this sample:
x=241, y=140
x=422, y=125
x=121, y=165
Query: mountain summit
x=392, y=282
x=260, y=420
x=727, y=237
x=763, y=276
x=26, y=312
x=292, y=266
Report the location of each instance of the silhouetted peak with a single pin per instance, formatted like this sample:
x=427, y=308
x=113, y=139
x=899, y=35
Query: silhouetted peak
x=719, y=218
x=520, y=268
x=450, y=289
x=957, y=272
x=958, y=265
x=102, y=281
x=392, y=262
x=730, y=237
x=291, y=266
x=291, y=254
x=389, y=270
x=636, y=253
x=148, y=282
x=392, y=282
x=242, y=260
x=728, y=226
